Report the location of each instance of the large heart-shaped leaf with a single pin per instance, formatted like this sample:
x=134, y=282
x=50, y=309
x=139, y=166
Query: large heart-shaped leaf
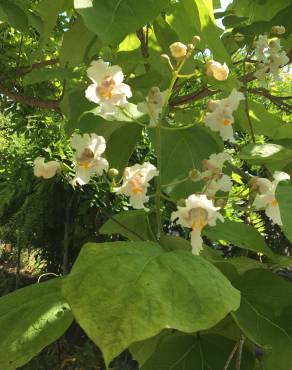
x=125, y=292
x=30, y=319
x=265, y=316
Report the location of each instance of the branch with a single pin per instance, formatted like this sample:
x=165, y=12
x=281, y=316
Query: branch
x=21, y=71
x=198, y=95
x=28, y=100
x=277, y=100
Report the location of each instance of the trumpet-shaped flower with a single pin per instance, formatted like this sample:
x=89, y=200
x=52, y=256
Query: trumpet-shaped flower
x=220, y=118
x=217, y=70
x=266, y=198
x=153, y=105
x=213, y=174
x=198, y=212
x=276, y=61
x=88, y=151
x=178, y=50
x=108, y=89
x=135, y=183
x=45, y=169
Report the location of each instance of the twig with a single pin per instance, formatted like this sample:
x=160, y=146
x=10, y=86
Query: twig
x=239, y=353
x=246, y=100
x=28, y=100
x=230, y=357
x=143, y=37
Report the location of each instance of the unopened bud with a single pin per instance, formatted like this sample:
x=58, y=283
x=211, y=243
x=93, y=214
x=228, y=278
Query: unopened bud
x=181, y=202
x=217, y=70
x=220, y=203
x=113, y=172
x=164, y=58
x=194, y=175
x=196, y=40
x=278, y=30
x=178, y=50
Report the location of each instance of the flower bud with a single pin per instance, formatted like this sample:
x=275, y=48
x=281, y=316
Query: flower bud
x=178, y=50
x=196, y=40
x=278, y=30
x=181, y=202
x=164, y=58
x=217, y=70
x=194, y=175
x=113, y=172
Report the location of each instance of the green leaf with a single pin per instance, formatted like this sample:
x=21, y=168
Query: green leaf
x=14, y=15
x=263, y=122
x=284, y=197
x=198, y=15
x=241, y=235
x=164, y=33
x=30, y=319
x=125, y=292
x=266, y=153
x=49, y=11
x=179, y=351
x=133, y=225
x=73, y=105
x=125, y=137
x=264, y=315
x=112, y=20
x=79, y=45
x=243, y=264
x=182, y=151
x=141, y=351
x=41, y=75
x=172, y=243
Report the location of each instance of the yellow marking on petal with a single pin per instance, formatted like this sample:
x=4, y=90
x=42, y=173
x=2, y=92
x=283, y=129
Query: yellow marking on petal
x=274, y=202
x=226, y=122
x=85, y=165
x=137, y=190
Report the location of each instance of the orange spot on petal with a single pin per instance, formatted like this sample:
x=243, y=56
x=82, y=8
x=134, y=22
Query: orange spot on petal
x=226, y=122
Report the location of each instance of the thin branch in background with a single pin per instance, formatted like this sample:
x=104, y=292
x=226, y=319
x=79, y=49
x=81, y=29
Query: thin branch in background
x=246, y=100
x=230, y=357
x=239, y=353
x=143, y=37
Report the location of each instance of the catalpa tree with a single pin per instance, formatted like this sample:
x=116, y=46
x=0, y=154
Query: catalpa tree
x=163, y=70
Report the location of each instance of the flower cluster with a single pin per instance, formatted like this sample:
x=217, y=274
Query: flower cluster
x=266, y=198
x=270, y=57
x=109, y=91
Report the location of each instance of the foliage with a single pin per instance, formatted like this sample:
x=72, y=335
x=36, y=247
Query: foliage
x=180, y=281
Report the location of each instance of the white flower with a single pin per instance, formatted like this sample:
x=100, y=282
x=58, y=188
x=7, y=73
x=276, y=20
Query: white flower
x=45, y=170
x=261, y=45
x=220, y=118
x=198, y=212
x=153, y=105
x=217, y=70
x=266, y=197
x=135, y=183
x=277, y=61
x=178, y=50
x=216, y=180
x=88, y=151
x=108, y=89
x=279, y=30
